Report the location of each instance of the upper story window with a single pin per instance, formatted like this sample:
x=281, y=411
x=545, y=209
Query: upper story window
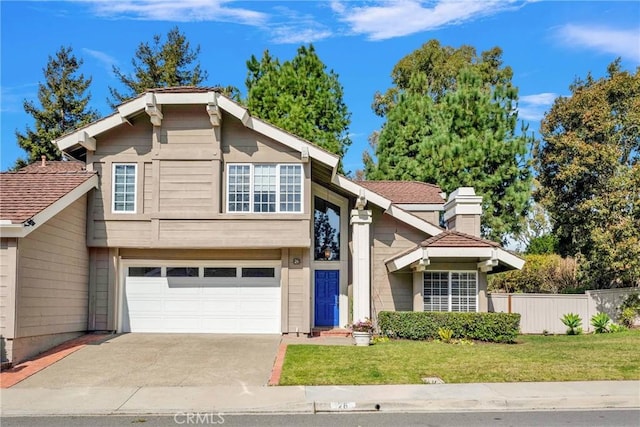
x=124, y=188
x=264, y=188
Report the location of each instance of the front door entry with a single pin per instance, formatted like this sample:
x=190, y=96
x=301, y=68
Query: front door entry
x=327, y=288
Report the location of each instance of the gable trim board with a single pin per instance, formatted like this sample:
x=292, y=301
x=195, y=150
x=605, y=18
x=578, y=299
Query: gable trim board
x=22, y=230
x=420, y=257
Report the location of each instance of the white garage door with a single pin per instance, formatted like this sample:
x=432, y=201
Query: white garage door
x=204, y=299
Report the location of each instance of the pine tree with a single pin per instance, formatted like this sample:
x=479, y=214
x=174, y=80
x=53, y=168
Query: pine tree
x=465, y=137
x=160, y=65
x=301, y=97
x=63, y=107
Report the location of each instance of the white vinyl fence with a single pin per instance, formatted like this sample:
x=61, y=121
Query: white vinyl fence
x=543, y=312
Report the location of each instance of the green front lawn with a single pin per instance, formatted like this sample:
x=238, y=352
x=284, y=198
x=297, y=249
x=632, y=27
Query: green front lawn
x=533, y=358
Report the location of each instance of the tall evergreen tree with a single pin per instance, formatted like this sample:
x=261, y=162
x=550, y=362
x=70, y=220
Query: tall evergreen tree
x=172, y=63
x=63, y=107
x=458, y=131
x=301, y=97
x=589, y=172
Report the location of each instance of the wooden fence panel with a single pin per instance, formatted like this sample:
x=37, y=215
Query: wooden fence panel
x=543, y=312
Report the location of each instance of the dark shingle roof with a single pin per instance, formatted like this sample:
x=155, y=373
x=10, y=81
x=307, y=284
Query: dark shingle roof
x=455, y=239
x=32, y=189
x=408, y=192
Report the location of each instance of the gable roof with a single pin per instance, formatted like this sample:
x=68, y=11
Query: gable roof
x=453, y=244
x=406, y=192
x=455, y=239
x=213, y=100
x=37, y=192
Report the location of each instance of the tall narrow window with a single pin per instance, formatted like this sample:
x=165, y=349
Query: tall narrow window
x=264, y=188
x=124, y=188
x=450, y=291
x=326, y=230
x=463, y=291
x=436, y=291
x=239, y=190
x=290, y=188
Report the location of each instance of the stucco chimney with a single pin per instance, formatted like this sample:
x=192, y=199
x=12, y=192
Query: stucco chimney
x=462, y=211
x=43, y=158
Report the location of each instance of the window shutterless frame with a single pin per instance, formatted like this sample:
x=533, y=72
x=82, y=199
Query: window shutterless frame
x=124, y=188
x=264, y=188
x=455, y=291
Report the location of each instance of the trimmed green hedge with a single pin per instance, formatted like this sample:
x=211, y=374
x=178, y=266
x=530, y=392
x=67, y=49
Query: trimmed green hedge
x=414, y=325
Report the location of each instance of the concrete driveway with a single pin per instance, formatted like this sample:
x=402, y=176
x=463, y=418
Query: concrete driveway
x=152, y=360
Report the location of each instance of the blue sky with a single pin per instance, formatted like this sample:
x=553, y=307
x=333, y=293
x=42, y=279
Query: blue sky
x=548, y=44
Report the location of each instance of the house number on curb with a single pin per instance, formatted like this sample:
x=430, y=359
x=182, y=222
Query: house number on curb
x=343, y=405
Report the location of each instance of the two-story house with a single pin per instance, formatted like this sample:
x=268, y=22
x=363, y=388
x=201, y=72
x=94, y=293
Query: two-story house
x=202, y=218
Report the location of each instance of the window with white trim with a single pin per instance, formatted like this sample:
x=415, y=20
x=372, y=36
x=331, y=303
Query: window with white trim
x=450, y=291
x=264, y=188
x=124, y=188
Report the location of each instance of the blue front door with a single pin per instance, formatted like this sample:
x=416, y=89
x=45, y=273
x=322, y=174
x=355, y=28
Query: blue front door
x=327, y=285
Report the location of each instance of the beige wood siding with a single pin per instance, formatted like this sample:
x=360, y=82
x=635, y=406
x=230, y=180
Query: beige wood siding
x=431, y=216
x=147, y=188
x=391, y=291
x=127, y=139
x=53, y=270
x=234, y=233
x=298, y=303
x=121, y=233
x=201, y=254
x=187, y=126
x=8, y=253
x=186, y=186
x=100, y=285
x=240, y=144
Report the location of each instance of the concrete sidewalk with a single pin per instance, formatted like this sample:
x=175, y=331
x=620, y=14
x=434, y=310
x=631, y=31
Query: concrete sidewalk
x=311, y=399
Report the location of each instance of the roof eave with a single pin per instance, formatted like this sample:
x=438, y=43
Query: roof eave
x=138, y=104
x=488, y=257
x=22, y=230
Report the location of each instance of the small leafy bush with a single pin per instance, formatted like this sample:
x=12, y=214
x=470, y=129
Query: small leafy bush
x=600, y=323
x=415, y=325
x=614, y=327
x=573, y=322
x=445, y=334
x=629, y=309
x=627, y=317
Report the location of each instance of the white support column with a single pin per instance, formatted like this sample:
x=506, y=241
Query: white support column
x=361, y=264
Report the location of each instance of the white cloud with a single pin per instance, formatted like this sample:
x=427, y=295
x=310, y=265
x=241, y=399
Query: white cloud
x=12, y=97
x=532, y=107
x=400, y=18
x=624, y=43
x=107, y=60
x=295, y=35
x=178, y=11
x=293, y=27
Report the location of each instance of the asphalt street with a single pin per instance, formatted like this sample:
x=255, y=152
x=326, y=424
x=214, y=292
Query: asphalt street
x=600, y=418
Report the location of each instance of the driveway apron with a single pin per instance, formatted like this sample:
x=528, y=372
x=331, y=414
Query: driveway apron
x=154, y=360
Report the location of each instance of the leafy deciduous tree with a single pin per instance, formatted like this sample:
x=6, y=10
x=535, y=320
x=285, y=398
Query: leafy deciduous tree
x=160, y=65
x=301, y=97
x=63, y=107
x=590, y=175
